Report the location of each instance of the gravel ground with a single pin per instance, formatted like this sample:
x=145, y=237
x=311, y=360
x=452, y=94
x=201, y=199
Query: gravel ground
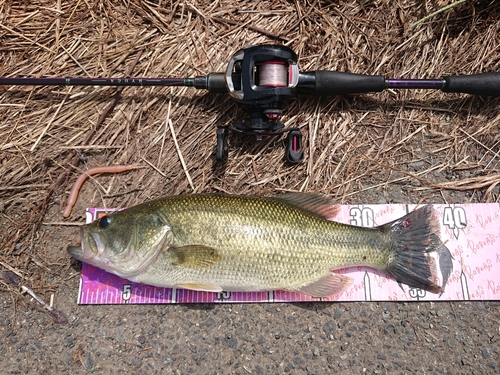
x=312, y=338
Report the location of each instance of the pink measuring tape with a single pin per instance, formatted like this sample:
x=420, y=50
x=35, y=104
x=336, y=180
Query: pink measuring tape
x=470, y=231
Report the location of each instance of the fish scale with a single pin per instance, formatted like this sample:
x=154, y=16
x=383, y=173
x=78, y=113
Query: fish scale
x=286, y=241
x=218, y=242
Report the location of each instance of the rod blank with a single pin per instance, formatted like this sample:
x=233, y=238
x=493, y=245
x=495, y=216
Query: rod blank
x=95, y=81
x=320, y=82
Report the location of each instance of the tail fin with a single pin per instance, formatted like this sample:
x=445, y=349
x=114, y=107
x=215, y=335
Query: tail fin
x=414, y=238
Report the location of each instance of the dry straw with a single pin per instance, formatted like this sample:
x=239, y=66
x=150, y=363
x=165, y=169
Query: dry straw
x=394, y=147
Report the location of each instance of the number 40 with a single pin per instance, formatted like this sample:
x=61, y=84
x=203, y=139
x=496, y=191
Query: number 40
x=454, y=217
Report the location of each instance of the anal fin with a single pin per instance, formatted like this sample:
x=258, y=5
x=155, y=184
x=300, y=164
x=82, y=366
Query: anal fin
x=200, y=287
x=327, y=286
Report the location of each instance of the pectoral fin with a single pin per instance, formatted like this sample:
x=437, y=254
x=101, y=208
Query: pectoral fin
x=327, y=286
x=200, y=287
x=195, y=256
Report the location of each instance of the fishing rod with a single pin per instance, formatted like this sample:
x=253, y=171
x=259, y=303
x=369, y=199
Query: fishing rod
x=262, y=78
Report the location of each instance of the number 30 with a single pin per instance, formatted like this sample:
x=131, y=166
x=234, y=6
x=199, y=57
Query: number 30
x=362, y=217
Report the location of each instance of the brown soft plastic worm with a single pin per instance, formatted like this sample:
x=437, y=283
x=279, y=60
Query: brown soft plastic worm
x=92, y=171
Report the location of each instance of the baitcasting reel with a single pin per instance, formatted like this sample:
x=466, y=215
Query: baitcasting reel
x=262, y=78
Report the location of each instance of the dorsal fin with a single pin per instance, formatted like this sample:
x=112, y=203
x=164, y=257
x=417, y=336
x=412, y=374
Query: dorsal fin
x=319, y=204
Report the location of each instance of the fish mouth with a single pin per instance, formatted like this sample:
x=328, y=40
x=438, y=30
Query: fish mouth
x=88, y=249
x=75, y=251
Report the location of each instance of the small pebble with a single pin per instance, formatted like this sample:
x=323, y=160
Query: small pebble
x=329, y=327
x=486, y=353
x=442, y=312
x=232, y=342
x=337, y=314
x=389, y=328
x=87, y=361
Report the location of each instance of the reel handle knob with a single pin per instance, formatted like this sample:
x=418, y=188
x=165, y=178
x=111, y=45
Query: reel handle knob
x=221, y=151
x=294, y=153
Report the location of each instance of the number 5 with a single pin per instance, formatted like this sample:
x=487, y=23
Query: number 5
x=127, y=292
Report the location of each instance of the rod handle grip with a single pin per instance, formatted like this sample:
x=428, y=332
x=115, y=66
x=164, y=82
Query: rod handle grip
x=486, y=84
x=326, y=83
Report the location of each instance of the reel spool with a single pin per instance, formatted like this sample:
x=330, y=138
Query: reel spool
x=273, y=74
x=261, y=78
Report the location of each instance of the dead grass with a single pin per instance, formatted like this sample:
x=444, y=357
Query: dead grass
x=388, y=147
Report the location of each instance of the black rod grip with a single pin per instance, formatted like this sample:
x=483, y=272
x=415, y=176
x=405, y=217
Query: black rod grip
x=325, y=83
x=486, y=84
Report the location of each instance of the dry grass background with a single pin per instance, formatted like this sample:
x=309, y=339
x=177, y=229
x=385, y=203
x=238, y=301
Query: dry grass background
x=396, y=146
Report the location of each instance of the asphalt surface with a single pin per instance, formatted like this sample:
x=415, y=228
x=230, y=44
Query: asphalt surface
x=309, y=338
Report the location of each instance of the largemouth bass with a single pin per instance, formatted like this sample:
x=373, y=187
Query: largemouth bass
x=213, y=242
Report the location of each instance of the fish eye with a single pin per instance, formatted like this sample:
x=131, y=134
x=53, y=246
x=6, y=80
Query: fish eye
x=104, y=221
